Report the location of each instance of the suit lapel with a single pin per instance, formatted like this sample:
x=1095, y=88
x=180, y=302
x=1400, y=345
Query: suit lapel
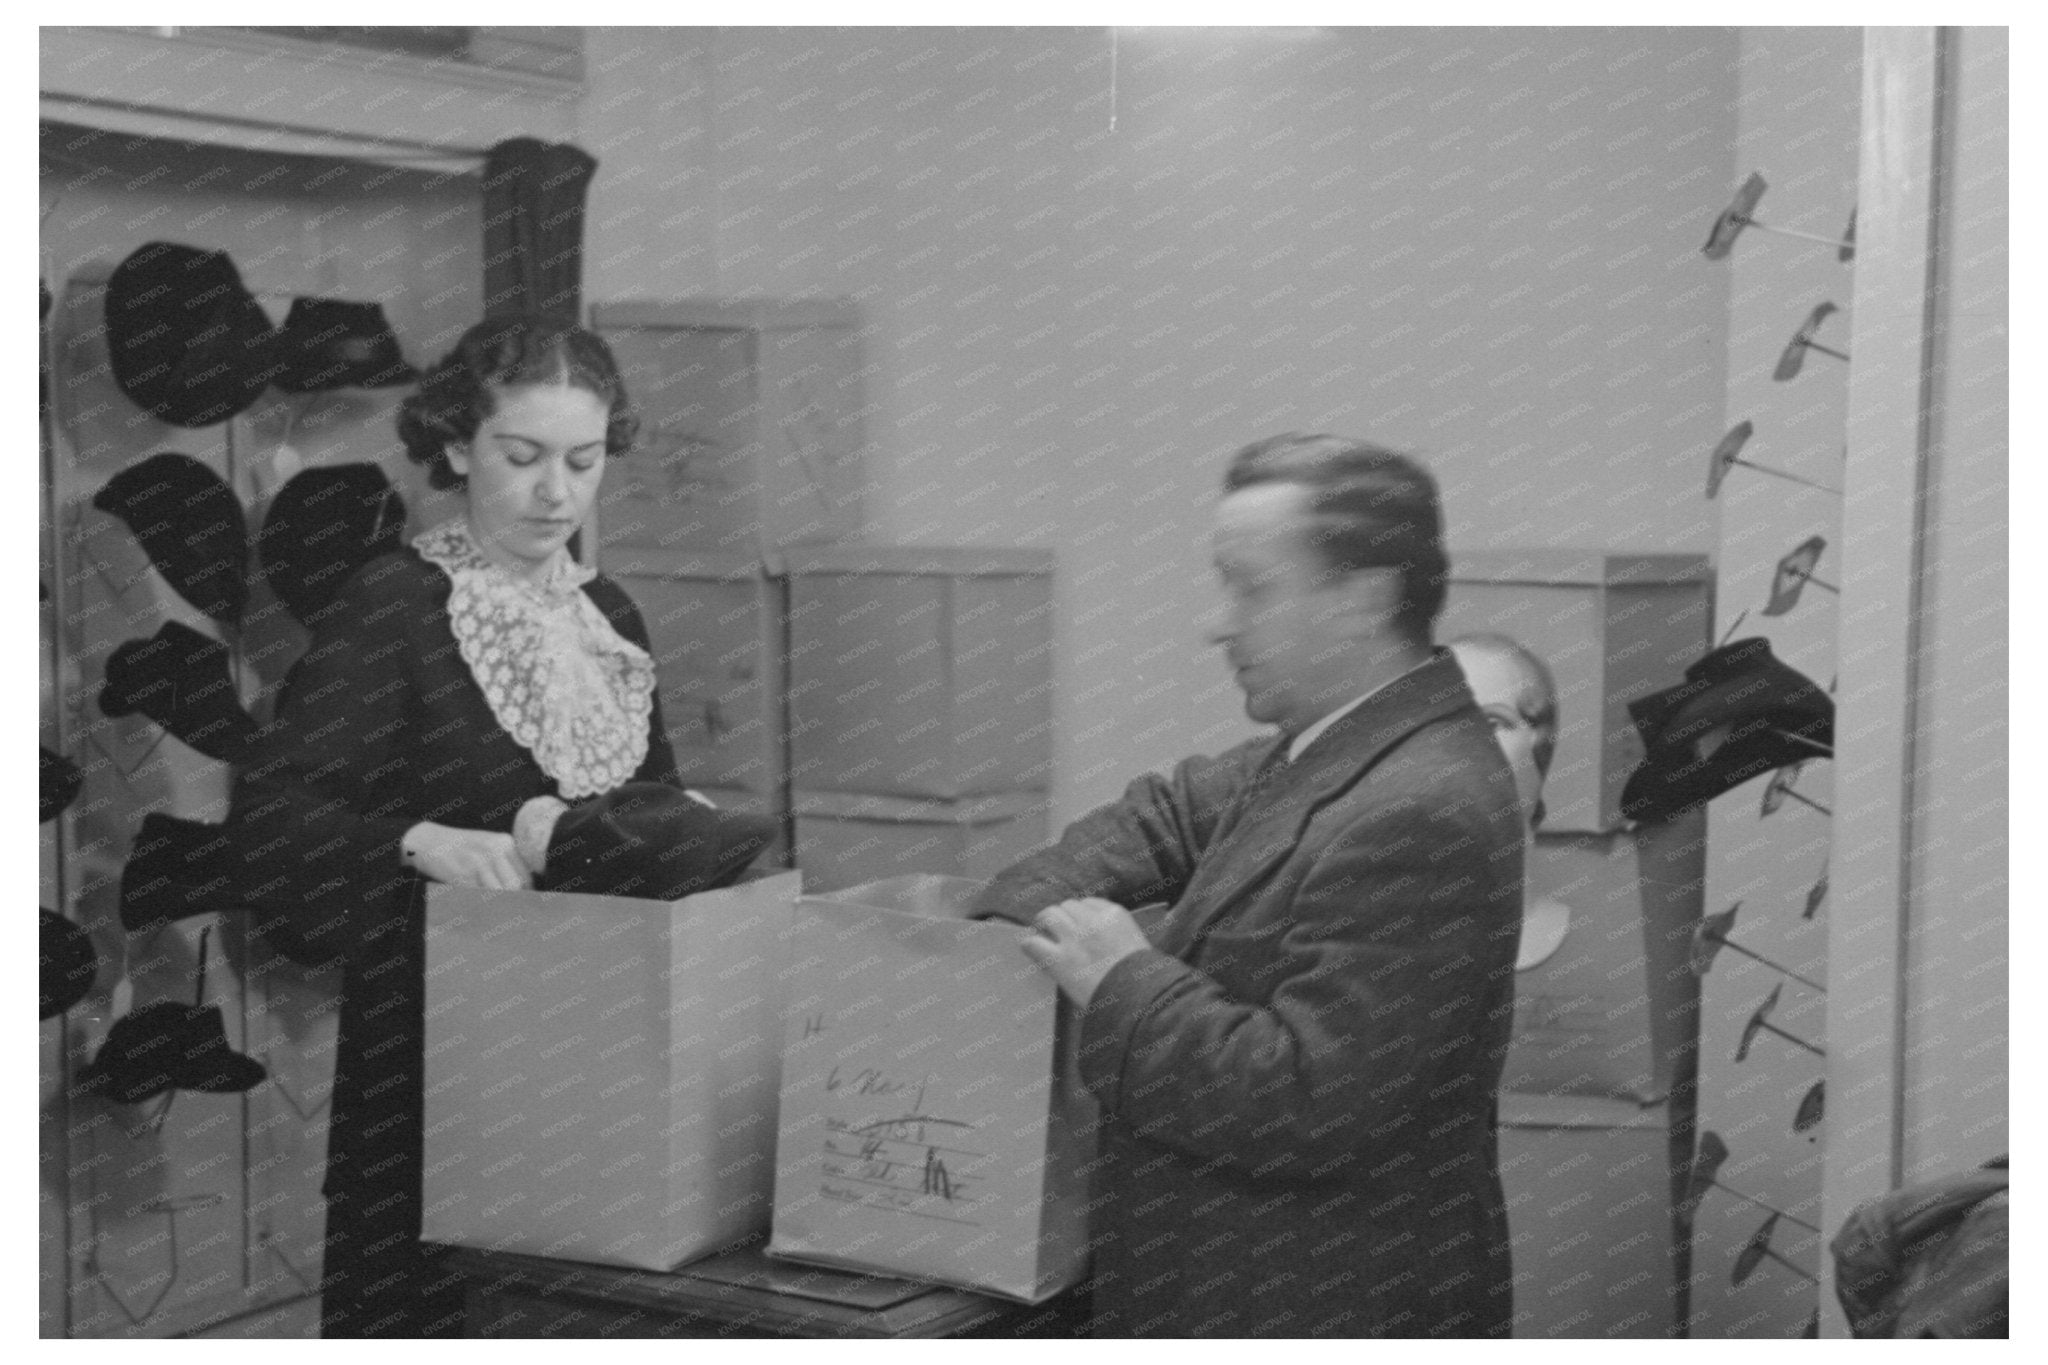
x=1283, y=797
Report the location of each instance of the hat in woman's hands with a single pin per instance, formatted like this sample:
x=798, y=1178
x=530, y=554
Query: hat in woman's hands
x=650, y=840
x=188, y=342
x=190, y=524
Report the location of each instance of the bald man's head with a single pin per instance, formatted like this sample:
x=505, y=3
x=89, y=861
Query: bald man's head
x=1518, y=696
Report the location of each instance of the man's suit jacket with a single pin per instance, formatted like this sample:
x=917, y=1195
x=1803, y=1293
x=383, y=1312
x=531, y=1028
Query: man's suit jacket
x=1297, y=1079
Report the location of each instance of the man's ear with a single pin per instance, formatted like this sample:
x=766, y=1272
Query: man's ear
x=1369, y=600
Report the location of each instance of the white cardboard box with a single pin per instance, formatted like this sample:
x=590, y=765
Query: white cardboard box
x=601, y=1072
x=932, y=1125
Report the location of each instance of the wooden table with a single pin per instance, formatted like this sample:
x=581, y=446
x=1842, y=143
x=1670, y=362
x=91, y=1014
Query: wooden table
x=738, y=1293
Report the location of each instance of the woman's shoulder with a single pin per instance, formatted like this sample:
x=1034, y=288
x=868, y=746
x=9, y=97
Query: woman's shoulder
x=611, y=599
x=391, y=589
x=397, y=575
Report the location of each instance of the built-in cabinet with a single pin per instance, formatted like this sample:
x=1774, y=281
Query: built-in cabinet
x=159, y=1218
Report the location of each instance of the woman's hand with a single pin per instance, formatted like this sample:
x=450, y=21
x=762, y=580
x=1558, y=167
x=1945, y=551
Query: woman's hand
x=465, y=857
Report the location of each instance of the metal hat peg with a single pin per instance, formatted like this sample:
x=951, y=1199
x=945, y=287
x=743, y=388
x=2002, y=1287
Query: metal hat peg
x=1706, y=1173
x=1758, y=1249
x=1741, y=213
x=1710, y=936
x=1780, y=787
x=1760, y=1022
x=1727, y=454
x=1817, y=894
x=1792, y=575
x=1794, y=354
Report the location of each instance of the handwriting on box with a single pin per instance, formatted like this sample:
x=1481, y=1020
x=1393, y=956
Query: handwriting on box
x=887, y=1143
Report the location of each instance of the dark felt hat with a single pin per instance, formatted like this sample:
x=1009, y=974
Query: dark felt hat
x=1739, y=714
x=190, y=524
x=177, y=868
x=69, y=963
x=322, y=526
x=650, y=840
x=169, y=1046
x=188, y=343
x=338, y=344
x=179, y=679
x=60, y=783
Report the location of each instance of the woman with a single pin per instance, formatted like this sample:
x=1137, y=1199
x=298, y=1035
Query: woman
x=447, y=687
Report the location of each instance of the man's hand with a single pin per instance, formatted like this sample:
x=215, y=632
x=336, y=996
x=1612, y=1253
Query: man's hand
x=1078, y=941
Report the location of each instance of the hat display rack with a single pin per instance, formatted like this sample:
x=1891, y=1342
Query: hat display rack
x=1742, y=715
x=219, y=455
x=195, y=532
x=167, y=571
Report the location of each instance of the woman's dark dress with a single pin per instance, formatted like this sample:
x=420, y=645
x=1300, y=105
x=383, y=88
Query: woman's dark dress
x=379, y=727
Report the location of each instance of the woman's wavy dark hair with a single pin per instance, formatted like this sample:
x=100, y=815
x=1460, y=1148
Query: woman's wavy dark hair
x=507, y=353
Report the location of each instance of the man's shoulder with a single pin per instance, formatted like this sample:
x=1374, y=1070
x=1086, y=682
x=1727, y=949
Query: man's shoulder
x=1450, y=766
x=1216, y=774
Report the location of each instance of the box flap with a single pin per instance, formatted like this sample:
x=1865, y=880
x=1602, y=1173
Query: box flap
x=1519, y=1110
x=946, y=560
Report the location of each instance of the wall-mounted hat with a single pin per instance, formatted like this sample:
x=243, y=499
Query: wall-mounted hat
x=179, y=679
x=177, y=868
x=190, y=524
x=338, y=344
x=69, y=963
x=60, y=783
x=1739, y=714
x=322, y=526
x=188, y=343
x=650, y=840
x=168, y=1046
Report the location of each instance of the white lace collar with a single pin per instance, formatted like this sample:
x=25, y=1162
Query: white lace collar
x=561, y=681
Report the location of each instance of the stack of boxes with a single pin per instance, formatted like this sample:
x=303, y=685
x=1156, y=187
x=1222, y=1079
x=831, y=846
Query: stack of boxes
x=1597, y=1085
x=921, y=709
x=891, y=705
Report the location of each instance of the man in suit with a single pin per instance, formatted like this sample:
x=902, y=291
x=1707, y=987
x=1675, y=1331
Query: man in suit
x=1296, y=1050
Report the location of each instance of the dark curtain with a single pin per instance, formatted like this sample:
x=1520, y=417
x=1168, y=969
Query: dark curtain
x=533, y=226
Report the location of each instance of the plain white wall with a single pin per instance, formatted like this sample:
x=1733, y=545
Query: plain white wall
x=1478, y=245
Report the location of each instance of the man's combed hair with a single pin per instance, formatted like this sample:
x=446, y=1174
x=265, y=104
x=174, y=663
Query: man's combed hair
x=1369, y=508
x=506, y=353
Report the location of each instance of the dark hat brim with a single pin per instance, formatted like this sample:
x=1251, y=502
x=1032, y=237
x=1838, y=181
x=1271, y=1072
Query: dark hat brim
x=339, y=344
x=168, y=1046
x=181, y=680
x=69, y=962
x=1670, y=782
x=177, y=869
x=1766, y=713
x=60, y=780
x=324, y=525
x=187, y=342
x=190, y=524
